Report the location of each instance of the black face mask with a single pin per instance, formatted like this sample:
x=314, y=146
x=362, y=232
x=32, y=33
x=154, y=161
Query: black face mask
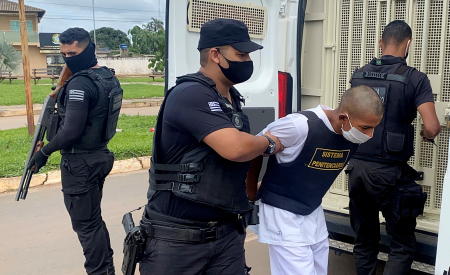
x=407, y=49
x=238, y=71
x=85, y=60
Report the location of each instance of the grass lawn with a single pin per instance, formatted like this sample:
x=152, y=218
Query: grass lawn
x=121, y=79
x=134, y=140
x=13, y=94
x=140, y=79
x=133, y=91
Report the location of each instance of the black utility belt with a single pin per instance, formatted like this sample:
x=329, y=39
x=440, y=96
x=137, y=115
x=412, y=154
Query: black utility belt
x=180, y=233
x=82, y=151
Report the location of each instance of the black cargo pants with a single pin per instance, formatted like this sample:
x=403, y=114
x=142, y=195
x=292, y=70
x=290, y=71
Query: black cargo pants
x=371, y=185
x=82, y=177
x=224, y=255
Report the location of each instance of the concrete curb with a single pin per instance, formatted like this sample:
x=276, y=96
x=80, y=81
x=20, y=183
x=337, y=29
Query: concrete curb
x=19, y=110
x=54, y=177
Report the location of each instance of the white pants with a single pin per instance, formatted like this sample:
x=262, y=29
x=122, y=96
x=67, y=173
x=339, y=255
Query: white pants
x=299, y=260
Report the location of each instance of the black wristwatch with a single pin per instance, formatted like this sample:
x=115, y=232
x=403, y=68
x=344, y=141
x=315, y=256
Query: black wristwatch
x=272, y=146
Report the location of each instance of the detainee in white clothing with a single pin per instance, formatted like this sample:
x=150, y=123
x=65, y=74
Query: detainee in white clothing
x=298, y=244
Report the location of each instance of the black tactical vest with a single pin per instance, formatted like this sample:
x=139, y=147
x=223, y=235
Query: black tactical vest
x=300, y=185
x=202, y=175
x=103, y=115
x=393, y=139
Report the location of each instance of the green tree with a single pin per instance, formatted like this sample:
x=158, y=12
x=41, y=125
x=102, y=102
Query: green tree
x=110, y=38
x=150, y=39
x=155, y=25
x=9, y=57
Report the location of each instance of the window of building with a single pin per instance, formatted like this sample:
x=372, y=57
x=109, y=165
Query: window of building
x=14, y=25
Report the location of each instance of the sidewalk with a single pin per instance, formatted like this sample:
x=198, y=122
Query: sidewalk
x=20, y=110
x=54, y=177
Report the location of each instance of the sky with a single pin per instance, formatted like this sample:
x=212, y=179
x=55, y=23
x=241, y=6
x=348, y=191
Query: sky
x=123, y=14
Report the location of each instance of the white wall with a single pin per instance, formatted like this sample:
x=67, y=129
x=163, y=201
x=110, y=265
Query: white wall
x=122, y=66
x=127, y=65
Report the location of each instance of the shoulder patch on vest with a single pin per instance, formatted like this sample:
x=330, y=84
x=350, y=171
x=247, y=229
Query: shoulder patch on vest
x=214, y=106
x=76, y=95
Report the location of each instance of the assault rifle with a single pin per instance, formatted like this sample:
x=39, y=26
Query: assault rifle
x=48, y=108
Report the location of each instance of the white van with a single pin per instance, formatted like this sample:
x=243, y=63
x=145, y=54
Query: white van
x=310, y=50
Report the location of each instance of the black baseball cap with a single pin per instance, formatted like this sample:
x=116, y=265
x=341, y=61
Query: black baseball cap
x=222, y=32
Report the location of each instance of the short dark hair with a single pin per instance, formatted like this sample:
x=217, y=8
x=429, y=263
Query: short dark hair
x=396, y=32
x=75, y=34
x=204, y=53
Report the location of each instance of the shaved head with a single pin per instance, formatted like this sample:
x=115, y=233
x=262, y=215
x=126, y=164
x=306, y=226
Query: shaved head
x=360, y=101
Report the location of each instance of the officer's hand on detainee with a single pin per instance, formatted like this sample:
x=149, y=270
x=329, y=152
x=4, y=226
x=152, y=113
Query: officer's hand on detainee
x=279, y=146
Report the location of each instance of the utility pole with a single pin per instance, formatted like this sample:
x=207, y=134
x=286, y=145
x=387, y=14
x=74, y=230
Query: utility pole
x=93, y=18
x=26, y=67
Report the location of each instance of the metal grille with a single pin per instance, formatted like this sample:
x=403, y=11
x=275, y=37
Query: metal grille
x=445, y=93
x=400, y=9
x=346, y=185
x=413, y=157
x=427, y=189
x=337, y=185
x=202, y=11
x=341, y=185
x=441, y=165
x=371, y=26
x=418, y=32
x=434, y=37
x=358, y=12
x=343, y=46
x=426, y=154
x=383, y=11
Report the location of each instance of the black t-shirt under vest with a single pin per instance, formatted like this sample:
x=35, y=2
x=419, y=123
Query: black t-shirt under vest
x=300, y=185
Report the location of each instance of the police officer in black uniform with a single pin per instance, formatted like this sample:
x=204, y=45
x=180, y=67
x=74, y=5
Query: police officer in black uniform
x=194, y=220
x=86, y=118
x=379, y=168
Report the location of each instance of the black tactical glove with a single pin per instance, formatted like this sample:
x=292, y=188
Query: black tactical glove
x=38, y=160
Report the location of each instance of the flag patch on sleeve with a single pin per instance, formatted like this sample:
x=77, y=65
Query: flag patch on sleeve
x=214, y=106
x=76, y=95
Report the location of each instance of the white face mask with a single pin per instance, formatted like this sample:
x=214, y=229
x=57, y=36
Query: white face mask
x=354, y=135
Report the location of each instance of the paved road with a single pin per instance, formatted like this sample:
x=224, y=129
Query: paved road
x=21, y=121
x=36, y=236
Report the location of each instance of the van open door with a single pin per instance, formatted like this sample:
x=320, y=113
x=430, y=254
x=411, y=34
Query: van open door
x=275, y=24
x=443, y=248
